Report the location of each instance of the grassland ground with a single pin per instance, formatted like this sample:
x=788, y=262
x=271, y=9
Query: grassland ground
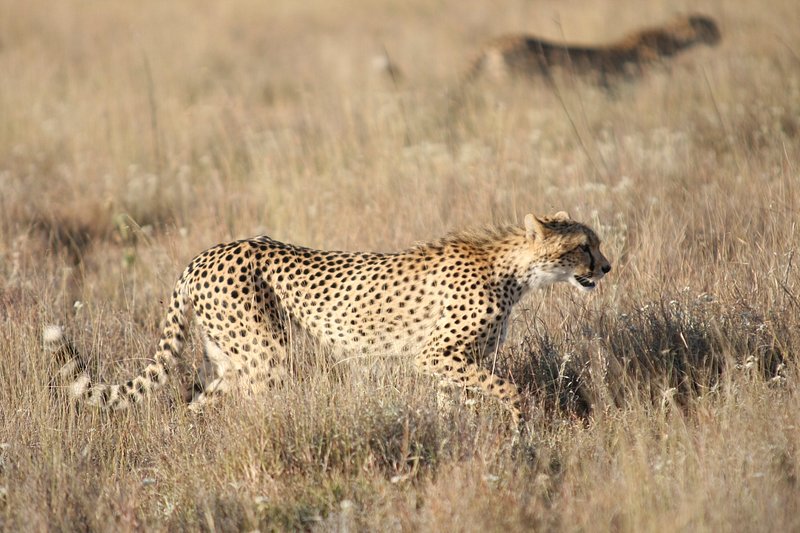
x=134, y=135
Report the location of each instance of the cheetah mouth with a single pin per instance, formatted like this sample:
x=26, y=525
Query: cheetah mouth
x=584, y=282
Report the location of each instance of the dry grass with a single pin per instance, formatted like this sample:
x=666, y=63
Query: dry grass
x=133, y=135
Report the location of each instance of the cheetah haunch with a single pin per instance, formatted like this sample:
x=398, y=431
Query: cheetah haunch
x=445, y=303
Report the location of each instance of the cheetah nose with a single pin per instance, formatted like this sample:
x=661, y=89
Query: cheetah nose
x=606, y=269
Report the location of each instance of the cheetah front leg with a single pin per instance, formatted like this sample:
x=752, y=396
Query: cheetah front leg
x=453, y=364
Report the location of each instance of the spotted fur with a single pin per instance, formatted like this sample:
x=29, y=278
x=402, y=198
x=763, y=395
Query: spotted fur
x=446, y=303
x=525, y=55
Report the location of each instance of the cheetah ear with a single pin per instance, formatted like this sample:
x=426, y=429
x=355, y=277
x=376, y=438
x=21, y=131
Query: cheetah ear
x=534, y=228
x=561, y=215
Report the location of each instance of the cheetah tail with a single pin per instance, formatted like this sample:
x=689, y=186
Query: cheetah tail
x=73, y=374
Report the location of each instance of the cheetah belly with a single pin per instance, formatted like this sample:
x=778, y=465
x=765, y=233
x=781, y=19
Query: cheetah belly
x=375, y=331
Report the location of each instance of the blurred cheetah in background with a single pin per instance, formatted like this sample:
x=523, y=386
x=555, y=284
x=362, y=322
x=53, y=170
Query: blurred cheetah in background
x=524, y=55
x=446, y=303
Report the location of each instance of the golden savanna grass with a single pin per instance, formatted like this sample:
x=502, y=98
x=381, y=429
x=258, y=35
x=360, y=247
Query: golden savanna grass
x=134, y=135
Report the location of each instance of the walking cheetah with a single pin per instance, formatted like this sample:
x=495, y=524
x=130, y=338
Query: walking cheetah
x=446, y=303
x=525, y=55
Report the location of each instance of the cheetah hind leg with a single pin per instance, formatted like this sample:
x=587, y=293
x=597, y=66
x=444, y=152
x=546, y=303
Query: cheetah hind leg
x=200, y=378
x=213, y=379
x=262, y=368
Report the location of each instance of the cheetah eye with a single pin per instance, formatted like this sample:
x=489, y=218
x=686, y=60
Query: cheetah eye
x=585, y=248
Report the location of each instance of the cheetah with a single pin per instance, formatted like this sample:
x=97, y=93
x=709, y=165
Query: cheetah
x=446, y=303
x=525, y=55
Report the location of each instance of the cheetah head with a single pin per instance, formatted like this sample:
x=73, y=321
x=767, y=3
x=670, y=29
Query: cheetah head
x=705, y=29
x=566, y=251
x=696, y=29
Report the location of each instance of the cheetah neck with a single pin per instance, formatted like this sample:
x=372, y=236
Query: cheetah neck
x=520, y=267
